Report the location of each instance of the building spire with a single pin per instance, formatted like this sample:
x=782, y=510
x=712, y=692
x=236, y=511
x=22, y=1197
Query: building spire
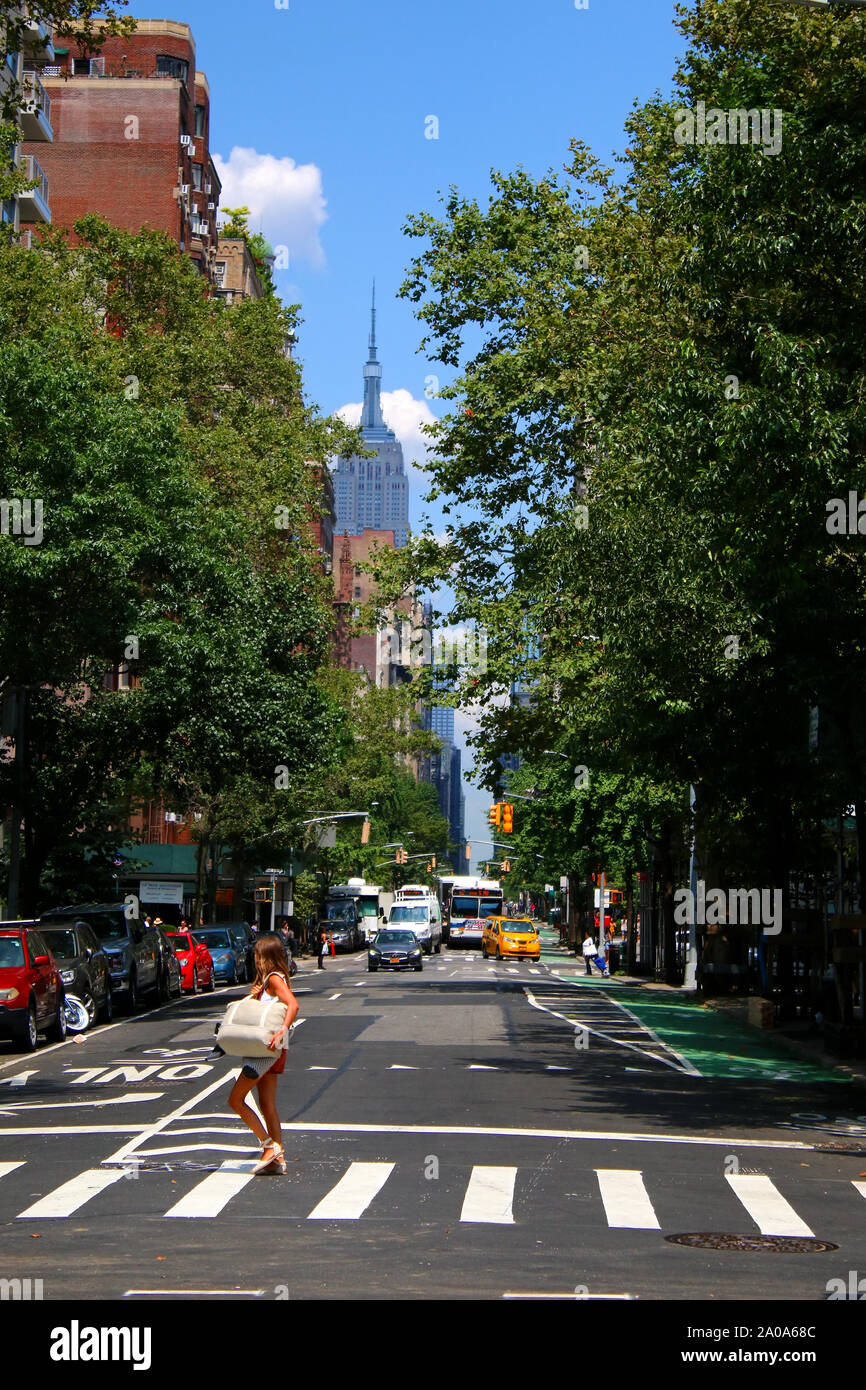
x=371, y=415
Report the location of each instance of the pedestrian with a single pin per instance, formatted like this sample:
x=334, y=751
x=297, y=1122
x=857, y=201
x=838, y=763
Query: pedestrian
x=292, y=944
x=590, y=951
x=272, y=979
x=323, y=948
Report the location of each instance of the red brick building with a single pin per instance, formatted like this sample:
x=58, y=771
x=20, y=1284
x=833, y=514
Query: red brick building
x=131, y=137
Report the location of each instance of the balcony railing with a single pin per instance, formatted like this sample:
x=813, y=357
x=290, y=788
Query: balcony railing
x=104, y=67
x=35, y=109
x=35, y=204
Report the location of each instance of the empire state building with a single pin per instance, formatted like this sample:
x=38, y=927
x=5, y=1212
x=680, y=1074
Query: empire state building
x=373, y=493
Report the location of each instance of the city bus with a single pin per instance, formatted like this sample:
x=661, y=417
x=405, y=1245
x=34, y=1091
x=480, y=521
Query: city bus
x=464, y=899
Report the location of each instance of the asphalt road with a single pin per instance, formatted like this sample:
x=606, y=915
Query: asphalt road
x=449, y=1134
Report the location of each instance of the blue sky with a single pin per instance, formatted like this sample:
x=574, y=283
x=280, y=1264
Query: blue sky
x=319, y=111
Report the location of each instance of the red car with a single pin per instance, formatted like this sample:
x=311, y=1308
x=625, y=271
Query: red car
x=31, y=990
x=194, y=959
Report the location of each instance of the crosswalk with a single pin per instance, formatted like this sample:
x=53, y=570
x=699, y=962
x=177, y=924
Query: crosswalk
x=492, y=1195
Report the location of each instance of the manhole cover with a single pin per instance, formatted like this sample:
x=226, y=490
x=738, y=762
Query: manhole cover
x=721, y=1240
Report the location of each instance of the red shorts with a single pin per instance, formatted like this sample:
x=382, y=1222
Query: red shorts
x=279, y=1065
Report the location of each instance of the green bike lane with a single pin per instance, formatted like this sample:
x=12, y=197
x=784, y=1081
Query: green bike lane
x=716, y=1045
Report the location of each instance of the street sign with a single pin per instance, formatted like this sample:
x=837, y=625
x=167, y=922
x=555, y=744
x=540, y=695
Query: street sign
x=154, y=891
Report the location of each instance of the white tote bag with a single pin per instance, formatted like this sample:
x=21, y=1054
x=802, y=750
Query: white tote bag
x=249, y=1025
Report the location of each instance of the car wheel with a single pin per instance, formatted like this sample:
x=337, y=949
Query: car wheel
x=372, y=969
x=57, y=1031
x=195, y=982
x=212, y=986
x=498, y=954
x=483, y=953
x=418, y=967
x=236, y=978
x=162, y=987
x=106, y=1013
x=132, y=1000
x=28, y=1040
x=90, y=1005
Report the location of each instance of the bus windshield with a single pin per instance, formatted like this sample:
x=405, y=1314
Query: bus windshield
x=464, y=906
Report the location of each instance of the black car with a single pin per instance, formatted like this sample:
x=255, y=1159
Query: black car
x=83, y=965
x=132, y=948
x=170, y=977
x=395, y=950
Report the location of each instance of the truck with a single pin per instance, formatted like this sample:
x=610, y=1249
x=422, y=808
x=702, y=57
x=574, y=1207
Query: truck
x=366, y=904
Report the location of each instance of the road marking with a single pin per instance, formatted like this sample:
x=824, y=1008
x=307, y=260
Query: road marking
x=480, y=1066
x=489, y=1196
x=570, y=1296
x=21, y=1079
x=771, y=1212
x=353, y=1193
x=681, y=1064
x=336, y=996
x=861, y=1188
x=214, y=1192
x=14, y=1108
x=72, y=1195
x=398, y=1066
x=10, y=1167
x=194, y=1293
x=57, y=1130
x=321, y=1068
x=606, y=1136
x=553, y=1068
x=626, y=1201
x=150, y=1131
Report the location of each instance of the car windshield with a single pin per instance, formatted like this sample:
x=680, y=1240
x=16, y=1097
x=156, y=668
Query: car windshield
x=214, y=938
x=402, y=913
x=395, y=938
x=517, y=925
x=341, y=912
x=180, y=941
x=61, y=941
x=11, y=951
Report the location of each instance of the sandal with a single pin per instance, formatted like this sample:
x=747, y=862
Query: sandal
x=277, y=1161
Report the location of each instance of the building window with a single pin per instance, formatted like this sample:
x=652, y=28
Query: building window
x=357, y=591
x=169, y=66
x=81, y=67
x=197, y=175
x=199, y=121
x=219, y=274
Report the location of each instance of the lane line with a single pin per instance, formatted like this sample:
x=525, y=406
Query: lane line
x=190, y=1293
x=214, y=1192
x=490, y=1196
x=10, y=1167
x=861, y=1187
x=626, y=1200
x=353, y=1193
x=771, y=1212
x=606, y=1136
x=72, y=1195
x=150, y=1131
x=44, y=1133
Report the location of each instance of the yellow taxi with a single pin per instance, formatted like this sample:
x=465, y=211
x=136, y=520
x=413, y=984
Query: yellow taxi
x=509, y=938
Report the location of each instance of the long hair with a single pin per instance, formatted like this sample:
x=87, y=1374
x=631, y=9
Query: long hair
x=269, y=955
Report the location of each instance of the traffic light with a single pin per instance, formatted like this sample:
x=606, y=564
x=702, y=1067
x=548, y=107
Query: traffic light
x=494, y=815
x=506, y=866
x=433, y=862
x=507, y=817
x=468, y=850
x=365, y=833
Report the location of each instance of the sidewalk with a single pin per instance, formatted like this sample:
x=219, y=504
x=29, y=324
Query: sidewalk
x=716, y=1043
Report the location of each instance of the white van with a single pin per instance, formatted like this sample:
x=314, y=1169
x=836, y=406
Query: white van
x=422, y=916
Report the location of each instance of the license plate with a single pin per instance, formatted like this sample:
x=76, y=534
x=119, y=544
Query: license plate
x=395, y=960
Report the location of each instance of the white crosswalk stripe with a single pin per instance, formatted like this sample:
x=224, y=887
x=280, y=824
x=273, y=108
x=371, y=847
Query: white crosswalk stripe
x=209, y=1197
x=490, y=1196
x=771, y=1212
x=354, y=1192
x=72, y=1195
x=625, y=1198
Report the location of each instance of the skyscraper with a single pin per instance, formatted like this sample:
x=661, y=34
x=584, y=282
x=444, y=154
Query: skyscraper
x=373, y=493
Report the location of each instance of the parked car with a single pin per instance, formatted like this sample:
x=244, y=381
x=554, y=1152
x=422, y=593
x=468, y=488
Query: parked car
x=510, y=938
x=170, y=986
x=195, y=960
x=395, y=950
x=84, y=967
x=229, y=956
x=242, y=932
x=31, y=990
x=132, y=947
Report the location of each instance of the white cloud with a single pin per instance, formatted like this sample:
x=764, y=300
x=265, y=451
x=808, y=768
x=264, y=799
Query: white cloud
x=285, y=199
x=405, y=416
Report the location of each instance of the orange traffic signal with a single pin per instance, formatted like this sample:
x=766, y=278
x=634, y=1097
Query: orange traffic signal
x=494, y=815
x=507, y=818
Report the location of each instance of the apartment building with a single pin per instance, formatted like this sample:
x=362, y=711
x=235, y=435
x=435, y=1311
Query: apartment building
x=20, y=70
x=132, y=137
